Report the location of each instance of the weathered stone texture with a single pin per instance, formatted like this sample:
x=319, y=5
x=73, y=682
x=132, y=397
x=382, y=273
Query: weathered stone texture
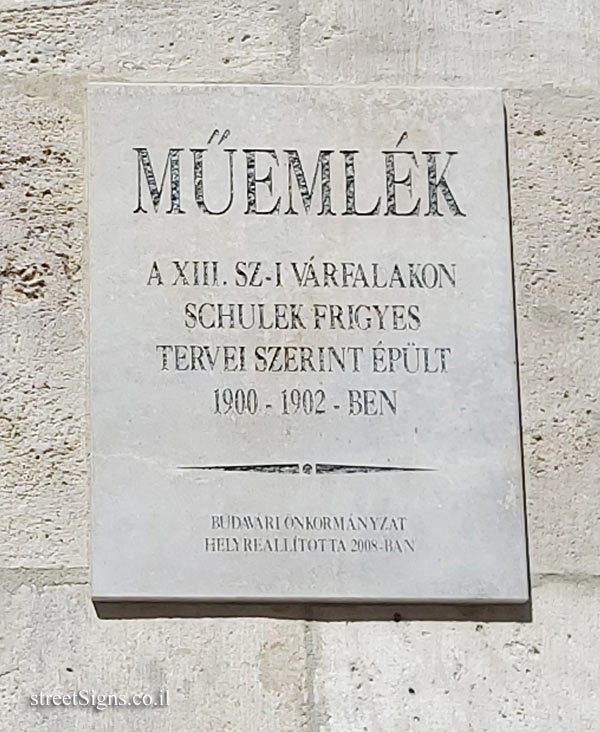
x=514, y=43
x=222, y=674
x=379, y=676
x=271, y=675
x=42, y=402
x=555, y=179
x=187, y=40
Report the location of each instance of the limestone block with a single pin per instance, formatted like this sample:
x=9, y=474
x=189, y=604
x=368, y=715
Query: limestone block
x=236, y=674
x=554, y=179
x=451, y=676
x=149, y=39
x=43, y=491
x=445, y=42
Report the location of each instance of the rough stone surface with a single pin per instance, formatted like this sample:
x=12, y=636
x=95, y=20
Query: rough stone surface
x=148, y=38
x=437, y=42
x=465, y=677
x=266, y=674
x=221, y=674
x=555, y=178
x=43, y=466
x=272, y=675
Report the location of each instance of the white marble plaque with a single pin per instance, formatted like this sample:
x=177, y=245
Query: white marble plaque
x=302, y=346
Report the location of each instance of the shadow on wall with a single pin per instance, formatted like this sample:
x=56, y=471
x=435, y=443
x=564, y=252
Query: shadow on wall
x=333, y=612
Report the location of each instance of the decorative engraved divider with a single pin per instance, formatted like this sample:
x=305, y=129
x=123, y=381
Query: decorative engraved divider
x=307, y=468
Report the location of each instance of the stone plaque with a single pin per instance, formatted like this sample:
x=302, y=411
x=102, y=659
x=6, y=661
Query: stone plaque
x=302, y=345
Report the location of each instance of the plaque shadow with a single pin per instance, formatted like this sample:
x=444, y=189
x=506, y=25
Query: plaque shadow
x=320, y=612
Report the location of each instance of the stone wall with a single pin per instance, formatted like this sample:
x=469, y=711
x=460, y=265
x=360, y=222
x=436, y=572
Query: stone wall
x=270, y=674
